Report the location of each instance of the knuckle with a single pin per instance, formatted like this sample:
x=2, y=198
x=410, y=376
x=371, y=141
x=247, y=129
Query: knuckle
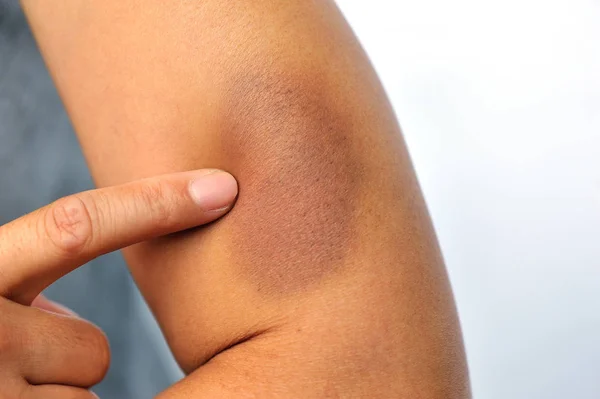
x=156, y=200
x=68, y=225
x=13, y=341
x=13, y=338
x=6, y=341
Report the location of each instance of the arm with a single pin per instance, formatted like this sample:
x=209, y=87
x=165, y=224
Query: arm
x=325, y=280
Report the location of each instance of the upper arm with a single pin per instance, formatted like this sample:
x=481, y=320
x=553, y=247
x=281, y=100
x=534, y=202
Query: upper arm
x=328, y=257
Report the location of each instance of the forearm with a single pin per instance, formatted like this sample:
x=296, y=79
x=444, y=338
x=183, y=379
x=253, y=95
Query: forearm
x=326, y=273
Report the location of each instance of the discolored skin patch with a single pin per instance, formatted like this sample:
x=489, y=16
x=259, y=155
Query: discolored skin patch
x=290, y=149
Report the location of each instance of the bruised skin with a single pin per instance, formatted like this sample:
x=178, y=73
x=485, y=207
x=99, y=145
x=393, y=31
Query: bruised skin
x=295, y=218
x=302, y=176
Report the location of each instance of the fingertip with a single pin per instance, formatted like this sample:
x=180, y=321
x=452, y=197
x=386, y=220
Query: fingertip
x=214, y=192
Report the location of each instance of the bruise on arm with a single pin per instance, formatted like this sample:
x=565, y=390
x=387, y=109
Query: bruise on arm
x=300, y=177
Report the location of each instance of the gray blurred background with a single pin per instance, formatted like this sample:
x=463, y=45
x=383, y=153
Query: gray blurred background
x=500, y=106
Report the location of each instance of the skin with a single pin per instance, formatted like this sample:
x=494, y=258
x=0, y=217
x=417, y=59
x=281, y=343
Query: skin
x=325, y=280
x=46, y=351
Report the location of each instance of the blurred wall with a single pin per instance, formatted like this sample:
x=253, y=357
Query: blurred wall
x=500, y=105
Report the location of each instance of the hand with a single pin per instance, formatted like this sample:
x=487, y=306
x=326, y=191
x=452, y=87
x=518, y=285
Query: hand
x=46, y=351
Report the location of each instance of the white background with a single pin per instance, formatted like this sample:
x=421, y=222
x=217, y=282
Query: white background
x=500, y=105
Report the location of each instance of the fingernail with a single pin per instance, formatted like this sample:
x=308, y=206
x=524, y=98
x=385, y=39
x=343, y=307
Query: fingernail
x=64, y=309
x=214, y=191
x=41, y=302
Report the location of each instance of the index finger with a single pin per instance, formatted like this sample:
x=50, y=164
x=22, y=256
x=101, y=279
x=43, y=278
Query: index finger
x=39, y=248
